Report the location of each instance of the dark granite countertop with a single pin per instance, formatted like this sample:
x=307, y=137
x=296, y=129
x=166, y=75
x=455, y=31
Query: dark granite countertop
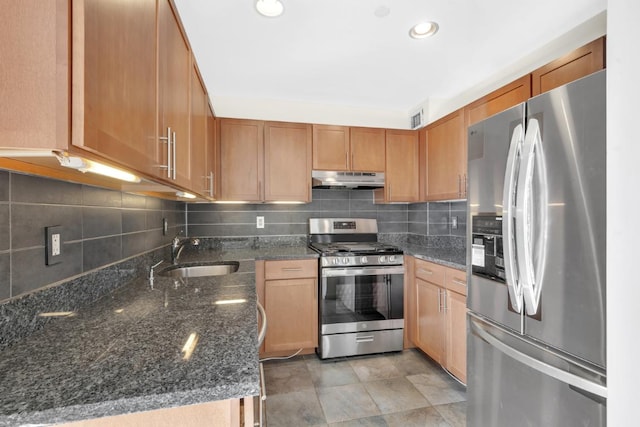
x=450, y=257
x=124, y=353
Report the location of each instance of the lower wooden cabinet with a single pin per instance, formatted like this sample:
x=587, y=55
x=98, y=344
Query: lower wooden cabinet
x=288, y=290
x=439, y=298
x=223, y=413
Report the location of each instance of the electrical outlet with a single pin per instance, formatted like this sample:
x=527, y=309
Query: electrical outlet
x=454, y=222
x=53, y=244
x=259, y=222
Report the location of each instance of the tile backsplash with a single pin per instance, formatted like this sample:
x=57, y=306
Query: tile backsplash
x=99, y=227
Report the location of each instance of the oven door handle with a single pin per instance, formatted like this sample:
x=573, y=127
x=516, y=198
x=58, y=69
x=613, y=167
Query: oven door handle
x=364, y=271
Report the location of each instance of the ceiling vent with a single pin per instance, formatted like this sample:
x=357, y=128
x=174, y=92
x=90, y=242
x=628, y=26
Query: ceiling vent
x=417, y=119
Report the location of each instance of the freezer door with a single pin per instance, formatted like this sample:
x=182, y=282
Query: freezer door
x=488, y=148
x=564, y=210
x=513, y=382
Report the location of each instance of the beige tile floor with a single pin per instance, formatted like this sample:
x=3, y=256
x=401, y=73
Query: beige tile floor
x=397, y=390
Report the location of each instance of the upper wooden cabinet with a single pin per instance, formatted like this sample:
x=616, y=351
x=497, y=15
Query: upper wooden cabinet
x=580, y=63
x=34, y=82
x=200, y=174
x=447, y=158
x=114, y=90
x=367, y=150
x=174, y=73
x=241, y=159
x=287, y=162
x=401, y=168
x=499, y=100
x=264, y=161
x=330, y=148
x=341, y=148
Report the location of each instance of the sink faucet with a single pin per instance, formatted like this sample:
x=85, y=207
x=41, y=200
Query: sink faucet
x=178, y=244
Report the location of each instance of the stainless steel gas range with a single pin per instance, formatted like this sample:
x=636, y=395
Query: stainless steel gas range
x=361, y=292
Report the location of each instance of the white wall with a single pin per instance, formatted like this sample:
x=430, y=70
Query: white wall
x=623, y=212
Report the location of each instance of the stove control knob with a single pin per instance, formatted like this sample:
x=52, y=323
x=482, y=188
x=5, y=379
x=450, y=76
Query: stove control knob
x=335, y=261
x=392, y=258
x=364, y=260
x=382, y=259
x=345, y=260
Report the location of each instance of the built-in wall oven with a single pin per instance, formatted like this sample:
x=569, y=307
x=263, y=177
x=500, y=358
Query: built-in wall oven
x=361, y=292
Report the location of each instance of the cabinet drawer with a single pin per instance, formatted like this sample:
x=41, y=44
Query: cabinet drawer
x=430, y=272
x=291, y=268
x=456, y=281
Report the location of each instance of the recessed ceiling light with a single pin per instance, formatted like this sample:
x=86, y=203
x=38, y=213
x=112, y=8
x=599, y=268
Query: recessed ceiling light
x=270, y=8
x=423, y=30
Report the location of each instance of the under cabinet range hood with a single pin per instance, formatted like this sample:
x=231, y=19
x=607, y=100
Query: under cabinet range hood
x=347, y=180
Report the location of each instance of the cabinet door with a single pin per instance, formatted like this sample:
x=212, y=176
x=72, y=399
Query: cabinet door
x=367, y=149
x=174, y=72
x=287, y=162
x=34, y=112
x=430, y=319
x=292, y=314
x=410, y=298
x=456, y=315
x=198, y=133
x=241, y=155
x=580, y=63
x=506, y=97
x=114, y=70
x=447, y=158
x=212, y=155
x=330, y=148
x=401, y=172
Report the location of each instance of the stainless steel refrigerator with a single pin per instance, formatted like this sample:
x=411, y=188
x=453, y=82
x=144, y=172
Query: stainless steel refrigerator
x=536, y=261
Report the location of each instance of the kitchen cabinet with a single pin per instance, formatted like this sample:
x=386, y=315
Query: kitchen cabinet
x=440, y=307
x=340, y=148
x=174, y=73
x=401, y=168
x=409, y=302
x=241, y=159
x=580, y=63
x=265, y=161
x=227, y=413
x=446, y=146
x=499, y=100
x=200, y=179
x=113, y=85
x=288, y=290
x=287, y=162
x=330, y=148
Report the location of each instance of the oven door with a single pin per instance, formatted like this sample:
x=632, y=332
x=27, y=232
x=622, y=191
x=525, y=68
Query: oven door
x=361, y=299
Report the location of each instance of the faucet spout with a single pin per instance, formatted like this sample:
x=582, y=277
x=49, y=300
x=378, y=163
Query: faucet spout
x=178, y=244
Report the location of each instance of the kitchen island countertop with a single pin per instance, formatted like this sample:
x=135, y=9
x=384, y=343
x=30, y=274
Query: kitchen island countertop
x=125, y=353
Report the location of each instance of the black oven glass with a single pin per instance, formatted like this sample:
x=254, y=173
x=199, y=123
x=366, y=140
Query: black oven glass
x=361, y=298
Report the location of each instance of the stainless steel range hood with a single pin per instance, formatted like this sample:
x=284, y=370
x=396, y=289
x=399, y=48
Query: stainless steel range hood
x=347, y=180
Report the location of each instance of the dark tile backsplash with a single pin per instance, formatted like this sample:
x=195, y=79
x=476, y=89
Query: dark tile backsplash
x=99, y=227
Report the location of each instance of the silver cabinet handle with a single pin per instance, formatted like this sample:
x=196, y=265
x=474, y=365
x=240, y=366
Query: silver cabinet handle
x=167, y=140
x=291, y=268
x=459, y=282
x=439, y=300
x=209, y=187
x=444, y=300
x=459, y=184
x=464, y=188
x=174, y=155
x=263, y=328
x=428, y=272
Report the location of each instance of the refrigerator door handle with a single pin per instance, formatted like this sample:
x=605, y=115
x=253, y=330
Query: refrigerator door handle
x=525, y=230
x=509, y=218
x=573, y=380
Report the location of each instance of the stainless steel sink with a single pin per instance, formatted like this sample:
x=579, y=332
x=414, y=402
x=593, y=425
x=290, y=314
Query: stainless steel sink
x=200, y=269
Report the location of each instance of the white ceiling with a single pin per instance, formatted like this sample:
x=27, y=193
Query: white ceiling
x=324, y=56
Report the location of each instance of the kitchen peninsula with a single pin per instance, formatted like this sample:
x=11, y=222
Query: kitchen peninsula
x=128, y=351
